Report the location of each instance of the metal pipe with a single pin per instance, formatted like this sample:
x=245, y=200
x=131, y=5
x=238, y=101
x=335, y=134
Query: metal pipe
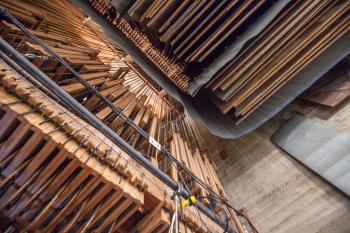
x=89, y=117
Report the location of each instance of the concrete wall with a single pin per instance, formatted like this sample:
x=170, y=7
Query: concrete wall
x=281, y=194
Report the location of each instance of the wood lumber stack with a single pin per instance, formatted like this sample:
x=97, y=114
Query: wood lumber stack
x=126, y=92
x=168, y=66
x=31, y=16
x=333, y=88
x=193, y=32
x=284, y=48
x=196, y=33
x=64, y=156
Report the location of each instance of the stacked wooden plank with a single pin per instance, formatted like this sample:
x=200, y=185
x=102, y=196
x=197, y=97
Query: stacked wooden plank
x=197, y=32
x=117, y=85
x=31, y=16
x=333, y=88
x=284, y=48
x=191, y=31
x=168, y=66
x=129, y=94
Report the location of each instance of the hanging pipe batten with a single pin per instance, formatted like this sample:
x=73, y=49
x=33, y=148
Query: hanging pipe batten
x=69, y=101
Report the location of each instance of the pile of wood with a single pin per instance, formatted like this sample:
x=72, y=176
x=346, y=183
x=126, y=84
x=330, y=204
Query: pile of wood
x=126, y=92
x=285, y=47
x=48, y=19
x=57, y=173
x=167, y=65
x=96, y=73
x=197, y=32
x=333, y=88
x=192, y=30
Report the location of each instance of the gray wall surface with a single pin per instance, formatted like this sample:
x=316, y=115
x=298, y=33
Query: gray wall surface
x=320, y=147
x=281, y=194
